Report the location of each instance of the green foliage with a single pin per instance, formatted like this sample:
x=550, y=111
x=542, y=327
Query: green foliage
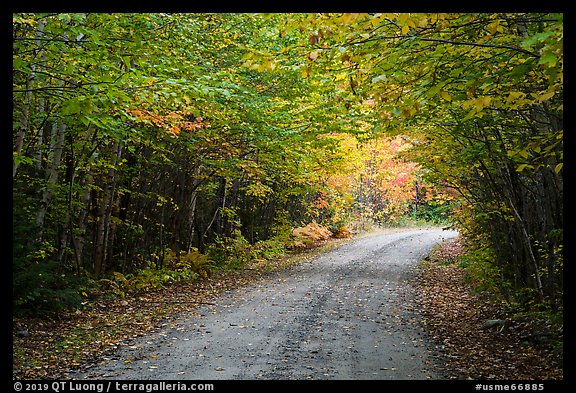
x=434, y=211
x=481, y=271
x=236, y=252
x=137, y=135
x=144, y=280
x=231, y=253
x=154, y=279
x=192, y=261
x=270, y=249
x=41, y=288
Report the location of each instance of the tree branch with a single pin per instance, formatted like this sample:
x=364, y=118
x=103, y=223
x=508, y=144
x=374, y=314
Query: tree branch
x=443, y=41
x=481, y=45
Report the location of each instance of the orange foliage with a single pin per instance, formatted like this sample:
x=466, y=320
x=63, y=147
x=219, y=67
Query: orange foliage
x=309, y=235
x=376, y=170
x=376, y=174
x=173, y=122
x=342, y=233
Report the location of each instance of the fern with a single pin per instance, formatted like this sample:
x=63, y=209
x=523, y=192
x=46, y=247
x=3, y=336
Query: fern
x=310, y=235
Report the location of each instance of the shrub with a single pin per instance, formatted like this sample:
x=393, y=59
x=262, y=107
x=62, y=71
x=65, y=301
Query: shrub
x=193, y=260
x=268, y=249
x=310, y=235
x=40, y=287
x=149, y=279
x=480, y=268
x=230, y=253
x=185, y=266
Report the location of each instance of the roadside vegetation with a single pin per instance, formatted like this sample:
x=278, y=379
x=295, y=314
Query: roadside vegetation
x=479, y=333
x=152, y=151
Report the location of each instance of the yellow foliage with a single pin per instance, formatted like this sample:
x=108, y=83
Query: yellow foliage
x=342, y=233
x=193, y=260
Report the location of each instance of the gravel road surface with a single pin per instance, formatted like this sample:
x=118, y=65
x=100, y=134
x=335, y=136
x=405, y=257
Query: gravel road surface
x=346, y=314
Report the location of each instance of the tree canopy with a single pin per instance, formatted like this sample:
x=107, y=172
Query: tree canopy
x=141, y=138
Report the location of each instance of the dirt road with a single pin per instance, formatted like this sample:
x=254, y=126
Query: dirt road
x=347, y=314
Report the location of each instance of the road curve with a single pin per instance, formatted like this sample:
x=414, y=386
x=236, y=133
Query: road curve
x=346, y=314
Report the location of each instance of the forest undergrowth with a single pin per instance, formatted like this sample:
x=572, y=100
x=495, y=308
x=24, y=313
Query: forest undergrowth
x=481, y=336
x=47, y=347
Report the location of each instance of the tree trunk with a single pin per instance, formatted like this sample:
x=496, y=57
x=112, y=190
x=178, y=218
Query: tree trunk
x=24, y=120
x=105, y=212
x=79, y=241
x=55, y=155
x=191, y=215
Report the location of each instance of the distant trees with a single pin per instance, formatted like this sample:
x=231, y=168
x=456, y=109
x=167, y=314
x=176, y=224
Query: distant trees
x=138, y=137
x=483, y=95
x=141, y=137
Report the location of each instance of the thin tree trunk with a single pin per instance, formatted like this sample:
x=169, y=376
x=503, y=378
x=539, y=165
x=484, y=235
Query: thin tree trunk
x=23, y=126
x=105, y=212
x=191, y=214
x=79, y=241
x=24, y=120
x=58, y=133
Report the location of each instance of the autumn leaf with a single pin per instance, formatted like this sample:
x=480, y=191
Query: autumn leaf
x=313, y=55
x=446, y=95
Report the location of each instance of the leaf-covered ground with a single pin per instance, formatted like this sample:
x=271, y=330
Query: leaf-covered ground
x=47, y=348
x=527, y=348
x=519, y=346
x=51, y=346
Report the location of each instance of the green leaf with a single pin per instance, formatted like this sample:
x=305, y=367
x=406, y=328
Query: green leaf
x=71, y=107
x=470, y=115
x=445, y=95
x=521, y=167
x=536, y=39
x=558, y=167
x=20, y=64
x=521, y=69
x=548, y=58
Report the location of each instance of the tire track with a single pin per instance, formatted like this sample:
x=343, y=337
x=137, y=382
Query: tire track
x=347, y=314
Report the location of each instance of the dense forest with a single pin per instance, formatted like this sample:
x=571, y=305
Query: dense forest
x=150, y=148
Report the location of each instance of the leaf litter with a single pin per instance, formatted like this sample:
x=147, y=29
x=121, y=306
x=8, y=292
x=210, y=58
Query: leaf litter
x=479, y=338
x=453, y=317
x=51, y=347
